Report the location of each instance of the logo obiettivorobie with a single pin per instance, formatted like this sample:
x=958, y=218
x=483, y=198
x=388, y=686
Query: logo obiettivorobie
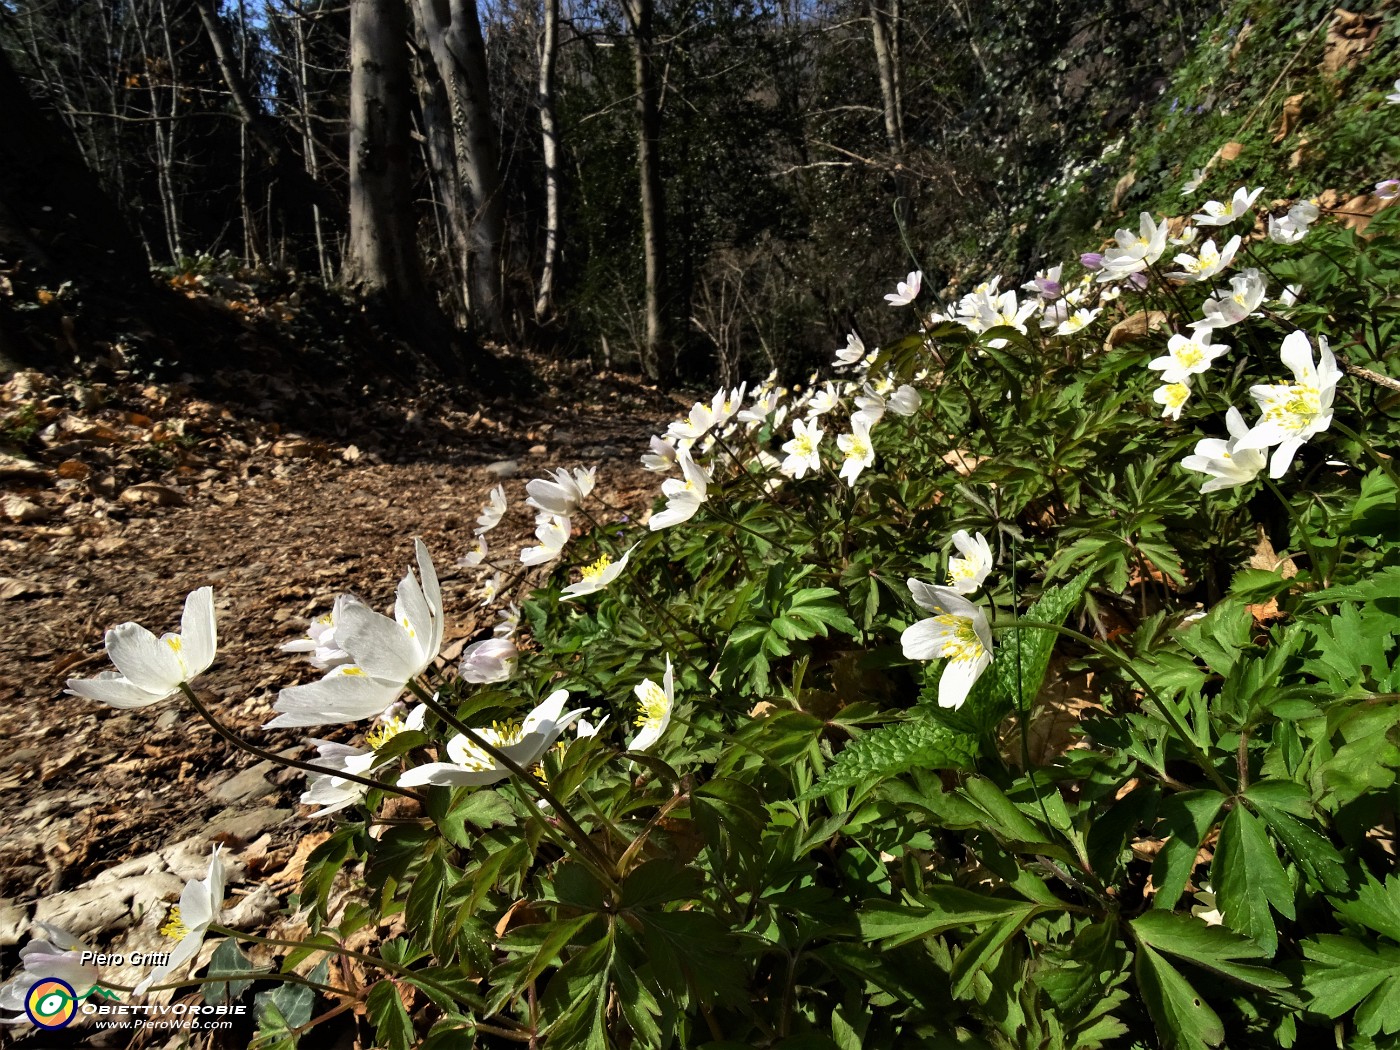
x=51, y=1003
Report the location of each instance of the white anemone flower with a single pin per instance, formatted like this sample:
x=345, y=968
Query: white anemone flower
x=477, y=555
x=957, y=632
x=725, y=403
x=493, y=512
x=471, y=765
x=1294, y=412
x=757, y=413
x=1394, y=97
x=1208, y=262
x=329, y=790
x=553, y=532
x=662, y=456
x=852, y=353
x=584, y=729
x=1188, y=356
x=1194, y=182
x=1247, y=290
x=320, y=637
x=490, y=660
x=598, y=575
x=388, y=654
x=1173, y=397
x=695, y=425
x=1077, y=321
x=1217, y=214
x=564, y=494
x=1134, y=252
x=189, y=921
x=491, y=589
x=149, y=669
x=821, y=401
x=683, y=495
x=857, y=448
x=803, y=451
x=907, y=290
x=654, y=709
x=905, y=401
x=1228, y=465
x=56, y=955
x=870, y=408
x=967, y=573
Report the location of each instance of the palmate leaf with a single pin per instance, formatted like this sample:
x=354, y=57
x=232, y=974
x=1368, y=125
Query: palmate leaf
x=1341, y=973
x=1248, y=878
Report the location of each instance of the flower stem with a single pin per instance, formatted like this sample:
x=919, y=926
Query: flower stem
x=1317, y=570
x=308, y=767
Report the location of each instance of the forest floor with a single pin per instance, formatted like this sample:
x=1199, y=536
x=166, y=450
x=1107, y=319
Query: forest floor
x=116, y=500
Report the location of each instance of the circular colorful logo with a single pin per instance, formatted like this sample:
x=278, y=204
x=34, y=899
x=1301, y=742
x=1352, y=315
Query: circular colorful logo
x=51, y=1003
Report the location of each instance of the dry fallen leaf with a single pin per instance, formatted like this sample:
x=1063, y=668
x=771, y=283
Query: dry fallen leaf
x=1349, y=37
x=1291, y=118
x=150, y=492
x=1135, y=327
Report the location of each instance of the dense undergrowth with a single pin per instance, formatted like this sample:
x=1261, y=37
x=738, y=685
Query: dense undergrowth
x=1031, y=684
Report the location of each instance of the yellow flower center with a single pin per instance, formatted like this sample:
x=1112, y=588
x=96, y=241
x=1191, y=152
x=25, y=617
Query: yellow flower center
x=653, y=705
x=960, y=569
x=383, y=733
x=353, y=670
x=1190, y=355
x=501, y=734
x=959, y=639
x=1176, y=395
x=1297, y=407
x=592, y=572
x=174, y=927
x=859, y=448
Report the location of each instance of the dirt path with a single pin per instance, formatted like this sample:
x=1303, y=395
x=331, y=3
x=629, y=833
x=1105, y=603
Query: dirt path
x=278, y=524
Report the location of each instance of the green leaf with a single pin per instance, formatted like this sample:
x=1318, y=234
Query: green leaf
x=1186, y=817
x=228, y=959
x=293, y=1003
x=1184, y=1020
x=1376, y=906
x=1341, y=973
x=919, y=743
x=1316, y=857
x=981, y=952
x=940, y=908
x=1211, y=947
x=1000, y=690
x=392, y=1026
x=1248, y=877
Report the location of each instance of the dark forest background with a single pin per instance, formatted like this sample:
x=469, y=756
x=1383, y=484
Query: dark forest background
x=699, y=189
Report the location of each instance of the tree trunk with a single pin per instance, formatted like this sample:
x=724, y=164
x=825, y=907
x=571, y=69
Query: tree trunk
x=382, y=261
x=383, y=257
x=453, y=31
x=449, y=195
x=882, y=29
x=549, y=128
x=657, y=355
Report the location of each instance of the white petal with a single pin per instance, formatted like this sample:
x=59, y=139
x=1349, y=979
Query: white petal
x=111, y=688
x=143, y=659
x=381, y=647
x=338, y=697
x=445, y=774
x=198, y=633
x=957, y=679
x=922, y=640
